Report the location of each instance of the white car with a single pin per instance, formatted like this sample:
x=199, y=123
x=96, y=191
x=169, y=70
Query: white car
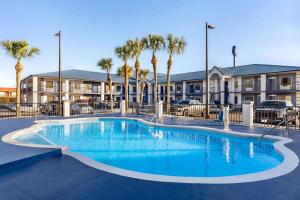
x=81, y=108
x=188, y=108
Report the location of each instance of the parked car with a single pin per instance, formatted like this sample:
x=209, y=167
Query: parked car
x=275, y=111
x=188, y=108
x=81, y=108
x=50, y=108
x=94, y=101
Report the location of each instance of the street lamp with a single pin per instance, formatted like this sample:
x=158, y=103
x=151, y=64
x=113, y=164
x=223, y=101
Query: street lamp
x=234, y=54
x=207, y=26
x=59, y=70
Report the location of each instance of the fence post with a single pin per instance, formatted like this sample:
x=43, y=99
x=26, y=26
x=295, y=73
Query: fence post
x=66, y=108
x=159, y=109
x=248, y=113
x=123, y=107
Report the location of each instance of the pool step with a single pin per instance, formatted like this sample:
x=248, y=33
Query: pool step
x=29, y=159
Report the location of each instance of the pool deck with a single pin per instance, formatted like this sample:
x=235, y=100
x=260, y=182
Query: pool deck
x=34, y=173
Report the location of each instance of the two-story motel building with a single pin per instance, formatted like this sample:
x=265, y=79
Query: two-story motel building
x=233, y=85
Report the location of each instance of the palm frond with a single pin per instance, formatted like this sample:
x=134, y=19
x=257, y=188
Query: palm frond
x=19, y=49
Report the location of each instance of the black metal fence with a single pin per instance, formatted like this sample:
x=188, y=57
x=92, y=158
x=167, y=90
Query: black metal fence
x=12, y=110
x=94, y=108
x=198, y=111
x=135, y=108
x=280, y=117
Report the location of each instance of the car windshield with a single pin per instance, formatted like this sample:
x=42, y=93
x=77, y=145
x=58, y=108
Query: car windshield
x=273, y=104
x=183, y=102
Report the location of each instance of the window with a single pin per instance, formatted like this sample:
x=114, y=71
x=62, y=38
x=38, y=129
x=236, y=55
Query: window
x=133, y=89
x=50, y=98
x=77, y=86
x=161, y=89
x=236, y=84
x=236, y=100
x=118, y=98
x=178, y=88
x=49, y=84
x=89, y=86
x=95, y=88
x=249, y=83
x=286, y=81
x=171, y=88
x=118, y=88
x=192, y=89
x=249, y=98
x=197, y=87
x=134, y=99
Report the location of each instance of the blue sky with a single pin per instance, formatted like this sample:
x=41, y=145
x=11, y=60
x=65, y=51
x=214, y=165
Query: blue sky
x=264, y=32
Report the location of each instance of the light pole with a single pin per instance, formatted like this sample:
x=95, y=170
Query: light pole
x=207, y=26
x=234, y=54
x=59, y=71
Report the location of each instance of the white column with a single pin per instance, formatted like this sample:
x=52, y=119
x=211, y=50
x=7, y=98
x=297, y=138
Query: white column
x=248, y=113
x=159, y=109
x=67, y=90
x=66, y=108
x=183, y=90
x=222, y=90
x=102, y=91
x=35, y=90
x=226, y=117
x=263, y=87
x=123, y=108
x=231, y=90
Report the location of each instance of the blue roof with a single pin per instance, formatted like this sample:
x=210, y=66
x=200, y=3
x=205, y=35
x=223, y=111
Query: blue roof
x=189, y=76
x=256, y=69
x=242, y=70
x=83, y=75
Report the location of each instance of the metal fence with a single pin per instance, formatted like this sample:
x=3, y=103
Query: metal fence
x=281, y=117
x=94, y=108
x=198, y=111
x=10, y=110
x=136, y=108
x=263, y=116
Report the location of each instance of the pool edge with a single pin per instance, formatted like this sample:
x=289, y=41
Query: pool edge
x=289, y=163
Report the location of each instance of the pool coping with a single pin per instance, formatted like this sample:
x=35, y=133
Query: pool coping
x=289, y=163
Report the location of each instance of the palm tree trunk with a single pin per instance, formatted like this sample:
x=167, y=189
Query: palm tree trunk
x=19, y=69
x=126, y=85
x=170, y=61
x=137, y=71
x=111, y=95
x=142, y=91
x=154, y=63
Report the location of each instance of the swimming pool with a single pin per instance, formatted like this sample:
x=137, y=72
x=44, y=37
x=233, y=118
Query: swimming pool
x=134, y=146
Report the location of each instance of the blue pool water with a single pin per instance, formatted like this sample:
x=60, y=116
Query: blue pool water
x=132, y=145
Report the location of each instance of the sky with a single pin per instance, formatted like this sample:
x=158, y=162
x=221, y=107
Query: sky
x=264, y=31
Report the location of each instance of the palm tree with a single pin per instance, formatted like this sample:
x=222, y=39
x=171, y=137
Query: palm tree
x=175, y=45
x=136, y=46
x=154, y=43
x=19, y=49
x=106, y=65
x=121, y=71
x=144, y=74
x=124, y=53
